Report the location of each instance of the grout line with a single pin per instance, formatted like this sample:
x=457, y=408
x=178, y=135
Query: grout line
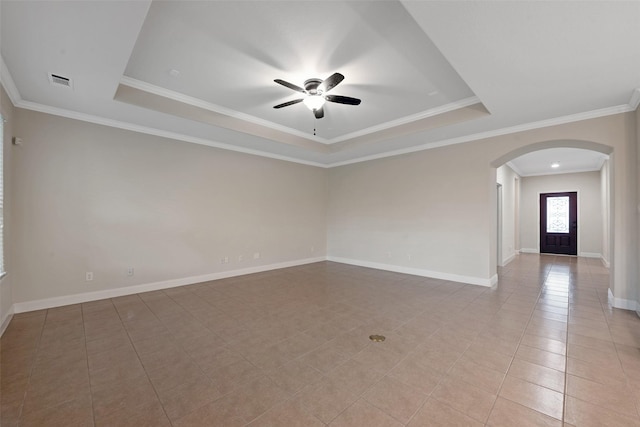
x=542, y=285
x=138, y=355
x=84, y=334
x=33, y=367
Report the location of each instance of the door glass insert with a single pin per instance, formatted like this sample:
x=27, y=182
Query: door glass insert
x=558, y=214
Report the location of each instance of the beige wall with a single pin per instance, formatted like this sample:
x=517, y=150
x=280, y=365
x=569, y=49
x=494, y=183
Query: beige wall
x=605, y=209
x=587, y=185
x=98, y=199
x=439, y=205
x=6, y=297
x=92, y=198
x=510, y=182
x=638, y=210
x=426, y=212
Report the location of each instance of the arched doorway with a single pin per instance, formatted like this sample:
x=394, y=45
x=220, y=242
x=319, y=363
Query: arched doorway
x=531, y=209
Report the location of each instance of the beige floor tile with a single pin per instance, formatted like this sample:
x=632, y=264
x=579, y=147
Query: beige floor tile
x=324, y=359
x=187, y=397
x=325, y=400
x=255, y=398
x=541, y=357
x=113, y=374
x=294, y=376
x=149, y=415
x=286, y=414
x=228, y=378
x=229, y=352
x=362, y=413
x=584, y=414
x=222, y=412
x=610, y=373
x=480, y=376
x=533, y=396
x=546, y=344
x=410, y=373
x=436, y=414
x=128, y=394
x=537, y=374
x=616, y=397
x=75, y=412
x=506, y=413
x=355, y=376
x=489, y=359
x=590, y=342
x=397, y=399
x=471, y=401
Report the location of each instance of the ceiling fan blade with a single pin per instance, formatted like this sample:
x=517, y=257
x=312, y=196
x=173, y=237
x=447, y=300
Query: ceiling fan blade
x=290, y=85
x=330, y=82
x=343, y=99
x=286, y=104
x=319, y=113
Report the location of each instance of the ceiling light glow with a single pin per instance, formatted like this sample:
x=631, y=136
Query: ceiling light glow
x=555, y=165
x=314, y=102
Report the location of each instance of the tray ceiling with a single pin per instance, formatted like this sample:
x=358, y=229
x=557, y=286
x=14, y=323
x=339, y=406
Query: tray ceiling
x=428, y=73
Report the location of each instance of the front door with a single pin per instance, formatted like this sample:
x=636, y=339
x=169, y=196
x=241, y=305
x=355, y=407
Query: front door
x=559, y=223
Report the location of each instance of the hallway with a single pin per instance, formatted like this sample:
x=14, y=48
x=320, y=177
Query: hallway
x=290, y=347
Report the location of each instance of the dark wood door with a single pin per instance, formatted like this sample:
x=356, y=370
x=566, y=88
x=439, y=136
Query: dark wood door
x=559, y=223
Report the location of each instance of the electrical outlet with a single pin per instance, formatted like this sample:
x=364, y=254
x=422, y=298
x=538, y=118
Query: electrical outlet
x=388, y=254
x=256, y=255
x=130, y=271
x=240, y=258
x=88, y=276
x=312, y=249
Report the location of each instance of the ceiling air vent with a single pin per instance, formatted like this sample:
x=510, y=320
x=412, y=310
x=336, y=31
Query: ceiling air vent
x=58, y=80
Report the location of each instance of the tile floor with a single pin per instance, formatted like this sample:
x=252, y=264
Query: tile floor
x=291, y=348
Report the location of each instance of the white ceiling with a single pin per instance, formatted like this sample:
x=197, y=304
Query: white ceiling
x=568, y=159
x=429, y=73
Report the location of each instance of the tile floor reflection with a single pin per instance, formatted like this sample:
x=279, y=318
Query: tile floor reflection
x=291, y=348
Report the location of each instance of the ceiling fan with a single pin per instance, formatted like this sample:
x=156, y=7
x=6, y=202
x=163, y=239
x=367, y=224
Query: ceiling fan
x=315, y=91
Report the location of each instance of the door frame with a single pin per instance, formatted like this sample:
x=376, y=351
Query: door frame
x=578, y=252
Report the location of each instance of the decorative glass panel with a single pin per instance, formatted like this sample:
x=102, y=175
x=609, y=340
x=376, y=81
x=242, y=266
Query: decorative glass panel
x=558, y=214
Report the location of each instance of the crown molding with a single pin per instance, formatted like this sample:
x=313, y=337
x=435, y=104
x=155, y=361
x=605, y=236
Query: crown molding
x=581, y=170
x=603, y=112
x=196, y=102
x=156, y=132
x=452, y=106
x=8, y=83
x=514, y=168
x=14, y=95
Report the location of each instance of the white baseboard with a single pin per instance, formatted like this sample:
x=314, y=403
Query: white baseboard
x=590, y=255
x=21, y=307
x=529, y=251
x=6, y=320
x=625, y=304
x=418, y=272
x=508, y=259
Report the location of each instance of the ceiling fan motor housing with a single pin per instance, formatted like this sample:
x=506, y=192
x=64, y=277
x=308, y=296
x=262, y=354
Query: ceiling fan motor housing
x=311, y=86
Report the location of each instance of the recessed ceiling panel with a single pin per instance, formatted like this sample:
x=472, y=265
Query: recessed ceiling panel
x=227, y=53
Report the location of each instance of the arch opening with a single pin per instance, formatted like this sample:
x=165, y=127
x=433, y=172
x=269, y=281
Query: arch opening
x=502, y=217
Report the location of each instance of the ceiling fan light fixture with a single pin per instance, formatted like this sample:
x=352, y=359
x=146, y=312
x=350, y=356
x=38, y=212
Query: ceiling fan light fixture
x=555, y=165
x=314, y=102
